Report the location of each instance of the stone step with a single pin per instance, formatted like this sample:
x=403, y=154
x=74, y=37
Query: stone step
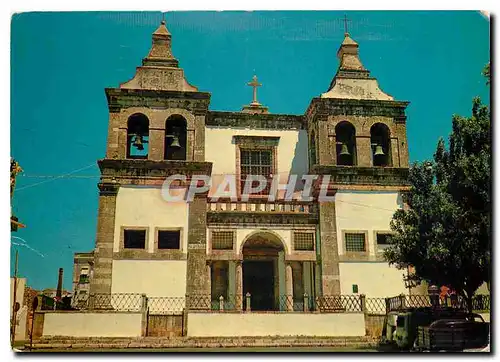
x=208, y=342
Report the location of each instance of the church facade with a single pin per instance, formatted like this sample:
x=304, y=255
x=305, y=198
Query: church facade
x=271, y=250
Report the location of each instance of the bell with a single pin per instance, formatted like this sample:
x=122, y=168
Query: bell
x=138, y=142
x=175, y=142
x=344, y=151
x=379, y=151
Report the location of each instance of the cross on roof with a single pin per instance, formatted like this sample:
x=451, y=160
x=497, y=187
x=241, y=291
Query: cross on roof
x=346, y=33
x=254, y=83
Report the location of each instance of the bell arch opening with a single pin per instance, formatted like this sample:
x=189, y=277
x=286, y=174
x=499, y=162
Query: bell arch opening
x=138, y=136
x=175, y=138
x=380, y=137
x=345, y=135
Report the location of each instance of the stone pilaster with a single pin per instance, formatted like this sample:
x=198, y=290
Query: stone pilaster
x=196, y=278
x=364, y=151
x=103, y=255
x=156, y=144
x=330, y=274
x=289, y=286
x=239, y=285
x=209, y=277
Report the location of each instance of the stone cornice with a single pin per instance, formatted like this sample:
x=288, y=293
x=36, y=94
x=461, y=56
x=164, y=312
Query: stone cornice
x=255, y=121
x=249, y=141
x=119, y=98
x=356, y=107
x=125, y=171
x=380, y=176
x=108, y=188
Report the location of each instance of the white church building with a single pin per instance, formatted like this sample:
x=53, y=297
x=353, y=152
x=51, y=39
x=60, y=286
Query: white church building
x=267, y=253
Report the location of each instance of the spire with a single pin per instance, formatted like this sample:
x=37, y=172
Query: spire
x=160, y=70
x=348, y=55
x=254, y=106
x=160, y=54
x=353, y=80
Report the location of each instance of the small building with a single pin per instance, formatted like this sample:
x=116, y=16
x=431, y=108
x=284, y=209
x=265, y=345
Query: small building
x=82, y=273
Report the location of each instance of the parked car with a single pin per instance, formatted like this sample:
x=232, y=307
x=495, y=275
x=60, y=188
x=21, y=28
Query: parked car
x=409, y=321
x=453, y=335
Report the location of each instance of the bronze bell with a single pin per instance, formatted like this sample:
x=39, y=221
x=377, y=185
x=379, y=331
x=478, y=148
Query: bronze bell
x=344, y=151
x=379, y=151
x=138, y=142
x=175, y=142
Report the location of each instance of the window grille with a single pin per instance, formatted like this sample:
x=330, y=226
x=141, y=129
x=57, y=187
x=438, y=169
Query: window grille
x=134, y=239
x=169, y=239
x=303, y=241
x=355, y=242
x=256, y=163
x=222, y=240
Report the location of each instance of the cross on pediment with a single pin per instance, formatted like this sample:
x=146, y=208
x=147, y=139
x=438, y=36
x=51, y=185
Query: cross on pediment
x=254, y=83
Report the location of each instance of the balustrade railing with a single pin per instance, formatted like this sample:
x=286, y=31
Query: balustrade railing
x=261, y=205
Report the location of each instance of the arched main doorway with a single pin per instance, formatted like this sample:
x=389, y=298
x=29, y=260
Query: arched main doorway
x=263, y=267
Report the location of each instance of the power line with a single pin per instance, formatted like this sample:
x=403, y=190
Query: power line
x=57, y=177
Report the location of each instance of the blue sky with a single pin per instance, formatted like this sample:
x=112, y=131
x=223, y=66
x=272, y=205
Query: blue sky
x=61, y=63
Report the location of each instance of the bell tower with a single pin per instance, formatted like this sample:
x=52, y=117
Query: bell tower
x=357, y=136
x=156, y=129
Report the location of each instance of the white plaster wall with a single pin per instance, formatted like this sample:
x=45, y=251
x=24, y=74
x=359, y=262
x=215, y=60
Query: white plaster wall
x=220, y=149
x=374, y=279
x=275, y=324
x=155, y=278
x=92, y=324
x=141, y=206
x=364, y=211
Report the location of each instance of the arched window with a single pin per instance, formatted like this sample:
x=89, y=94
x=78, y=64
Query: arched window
x=380, y=136
x=175, y=138
x=137, y=136
x=312, y=148
x=345, y=135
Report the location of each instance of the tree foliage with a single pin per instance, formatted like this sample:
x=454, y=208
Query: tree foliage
x=445, y=233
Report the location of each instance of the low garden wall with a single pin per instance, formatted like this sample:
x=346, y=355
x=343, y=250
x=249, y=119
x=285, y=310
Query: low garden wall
x=202, y=324
x=92, y=324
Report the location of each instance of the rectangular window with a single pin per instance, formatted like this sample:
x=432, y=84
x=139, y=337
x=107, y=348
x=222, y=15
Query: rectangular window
x=383, y=238
x=256, y=162
x=222, y=240
x=84, y=276
x=355, y=242
x=134, y=239
x=303, y=241
x=354, y=288
x=169, y=239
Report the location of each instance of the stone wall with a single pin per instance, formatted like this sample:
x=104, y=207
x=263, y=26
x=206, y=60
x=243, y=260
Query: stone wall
x=165, y=325
x=374, y=323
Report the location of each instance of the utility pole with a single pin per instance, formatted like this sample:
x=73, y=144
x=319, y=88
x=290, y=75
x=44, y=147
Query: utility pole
x=14, y=309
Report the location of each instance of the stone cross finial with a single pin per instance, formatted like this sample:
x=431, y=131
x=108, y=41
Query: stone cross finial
x=346, y=33
x=254, y=83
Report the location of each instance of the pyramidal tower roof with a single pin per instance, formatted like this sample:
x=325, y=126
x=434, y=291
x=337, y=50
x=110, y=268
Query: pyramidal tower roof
x=160, y=69
x=352, y=80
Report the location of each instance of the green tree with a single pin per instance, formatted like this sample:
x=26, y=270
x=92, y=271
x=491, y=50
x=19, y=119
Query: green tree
x=445, y=233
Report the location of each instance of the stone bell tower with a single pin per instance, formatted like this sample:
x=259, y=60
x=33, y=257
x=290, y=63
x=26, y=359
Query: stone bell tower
x=156, y=129
x=357, y=136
